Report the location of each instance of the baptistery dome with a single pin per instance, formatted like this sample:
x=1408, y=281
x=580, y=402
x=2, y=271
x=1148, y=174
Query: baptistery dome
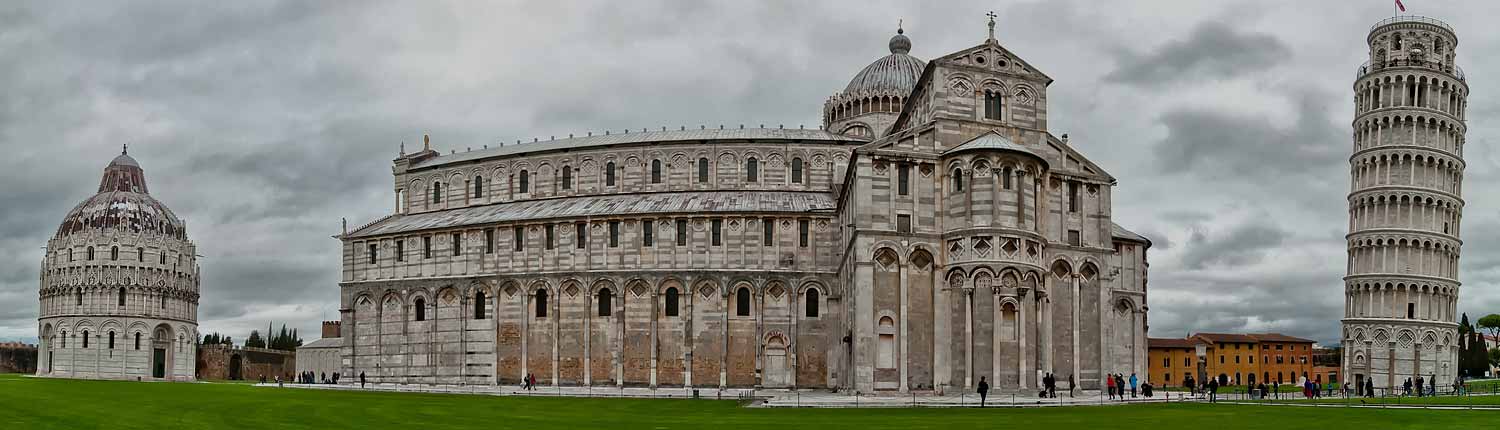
x=119, y=287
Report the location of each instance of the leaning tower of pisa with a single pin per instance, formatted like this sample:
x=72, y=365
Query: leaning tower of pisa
x=1405, y=206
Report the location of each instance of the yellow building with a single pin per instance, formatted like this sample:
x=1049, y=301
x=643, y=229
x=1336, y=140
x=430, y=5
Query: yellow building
x=1233, y=359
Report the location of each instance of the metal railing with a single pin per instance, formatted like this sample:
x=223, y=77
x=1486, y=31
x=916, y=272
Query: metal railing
x=1412, y=18
x=1366, y=68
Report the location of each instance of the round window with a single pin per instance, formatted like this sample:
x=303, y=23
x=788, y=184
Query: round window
x=979, y=60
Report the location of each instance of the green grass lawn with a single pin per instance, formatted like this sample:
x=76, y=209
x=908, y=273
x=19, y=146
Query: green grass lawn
x=33, y=403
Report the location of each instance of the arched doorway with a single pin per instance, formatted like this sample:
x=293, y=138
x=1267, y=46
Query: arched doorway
x=161, y=350
x=46, y=349
x=777, y=373
x=236, y=364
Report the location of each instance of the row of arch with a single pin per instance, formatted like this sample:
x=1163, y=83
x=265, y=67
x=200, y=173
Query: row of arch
x=1412, y=91
x=1392, y=210
x=1416, y=171
x=603, y=293
x=117, y=275
x=150, y=301
x=487, y=185
x=1409, y=130
x=1405, y=337
x=1386, y=255
x=846, y=106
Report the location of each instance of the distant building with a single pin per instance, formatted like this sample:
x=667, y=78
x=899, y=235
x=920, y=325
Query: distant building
x=1233, y=359
x=226, y=362
x=321, y=356
x=17, y=357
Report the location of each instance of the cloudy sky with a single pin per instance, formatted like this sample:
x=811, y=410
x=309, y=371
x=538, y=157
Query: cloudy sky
x=264, y=123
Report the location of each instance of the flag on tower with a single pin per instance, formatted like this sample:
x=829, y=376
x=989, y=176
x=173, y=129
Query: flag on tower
x=1400, y=6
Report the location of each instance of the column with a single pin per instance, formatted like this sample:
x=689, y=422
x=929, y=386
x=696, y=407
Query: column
x=1021, y=341
x=995, y=319
x=968, y=337
x=905, y=347
x=1076, y=307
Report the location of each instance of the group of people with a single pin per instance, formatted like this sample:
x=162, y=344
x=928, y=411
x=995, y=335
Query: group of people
x=310, y=377
x=1208, y=388
x=529, y=382
x=1430, y=383
x=1049, y=386
x=1117, y=387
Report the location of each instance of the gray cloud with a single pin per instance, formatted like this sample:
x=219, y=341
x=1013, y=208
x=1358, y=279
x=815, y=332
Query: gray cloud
x=1213, y=50
x=264, y=123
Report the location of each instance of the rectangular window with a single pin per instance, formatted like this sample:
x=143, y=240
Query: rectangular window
x=614, y=234
x=1187, y=362
x=1072, y=197
x=519, y=240
x=1236, y=359
x=1221, y=359
x=489, y=241
x=648, y=236
x=426, y=246
x=551, y=235
x=1411, y=310
x=1075, y=238
x=802, y=227
x=682, y=227
x=718, y=226
x=903, y=179
x=458, y=244
x=401, y=249
x=580, y=235
x=1166, y=362
x=768, y=235
x=903, y=223
x=373, y=249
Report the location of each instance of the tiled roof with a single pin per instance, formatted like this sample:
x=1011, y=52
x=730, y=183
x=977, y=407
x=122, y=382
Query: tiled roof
x=324, y=343
x=992, y=140
x=1156, y=342
x=1278, y=337
x=1121, y=233
x=638, y=137
x=605, y=205
x=1225, y=338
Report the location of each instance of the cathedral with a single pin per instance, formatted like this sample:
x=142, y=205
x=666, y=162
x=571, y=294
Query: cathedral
x=931, y=233
x=119, y=287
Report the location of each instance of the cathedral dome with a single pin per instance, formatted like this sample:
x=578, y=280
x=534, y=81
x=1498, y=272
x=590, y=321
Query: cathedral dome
x=896, y=73
x=122, y=202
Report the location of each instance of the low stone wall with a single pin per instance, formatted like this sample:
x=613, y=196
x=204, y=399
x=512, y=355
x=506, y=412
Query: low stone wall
x=229, y=363
x=17, y=358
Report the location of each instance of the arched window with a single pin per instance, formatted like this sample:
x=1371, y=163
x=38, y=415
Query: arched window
x=567, y=176
x=671, y=307
x=89, y=254
x=111, y=339
x=541, y=303
x=437, y=192
x=812, y=303
x=85, y=339
x=796, y=170
x=885, y=357
x=478, y=187
x=163, y=302
x=609, y=174
x=656, y=171
x=702, y=170
x=122, y=296
x=479, y=304
x=140, y=255
x=958, y=179
x=524, y=181
x=114, y=253
x=752, y=170
x=78, y=296
x=605, y=304
x=137, y=341
x=421, y=308
x=70, y=254
x=742, y=302
x=163, y=256
x=992, y=104
x=64, y=339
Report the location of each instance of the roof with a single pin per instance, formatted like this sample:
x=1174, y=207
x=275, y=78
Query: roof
x=324, y=343
x=640, y=137
x=1278, y=337
x=992, y=140
x=895, y=73
x=1121, y=233
x=1226, y=338
x=604, y=205
x=1156, y=342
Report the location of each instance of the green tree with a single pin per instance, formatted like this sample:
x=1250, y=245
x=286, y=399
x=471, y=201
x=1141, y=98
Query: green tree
x=1491, y=323
x=1494, y=357
x=255, y=341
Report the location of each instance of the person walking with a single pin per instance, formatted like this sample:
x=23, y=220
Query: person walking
x=1070, y=385
x=1133, y=384
x=361, y=380
x=1406, y=387
x=1110, y=382
x=1370, y=387
x=1120, y=386
x=984, y=390
x=1213, y=390
x=1419, y=386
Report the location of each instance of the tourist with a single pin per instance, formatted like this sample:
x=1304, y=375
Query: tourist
x=984, y=390
x=1213, y=390
x=1370, y=387
x=1432, y=385
x=1419, y=385
x=1132, y=385
x=1120, y=386
x=278, y=380
x=361, y=379
x=1070, y=386
x=1406, y=387
x=1110, y=381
